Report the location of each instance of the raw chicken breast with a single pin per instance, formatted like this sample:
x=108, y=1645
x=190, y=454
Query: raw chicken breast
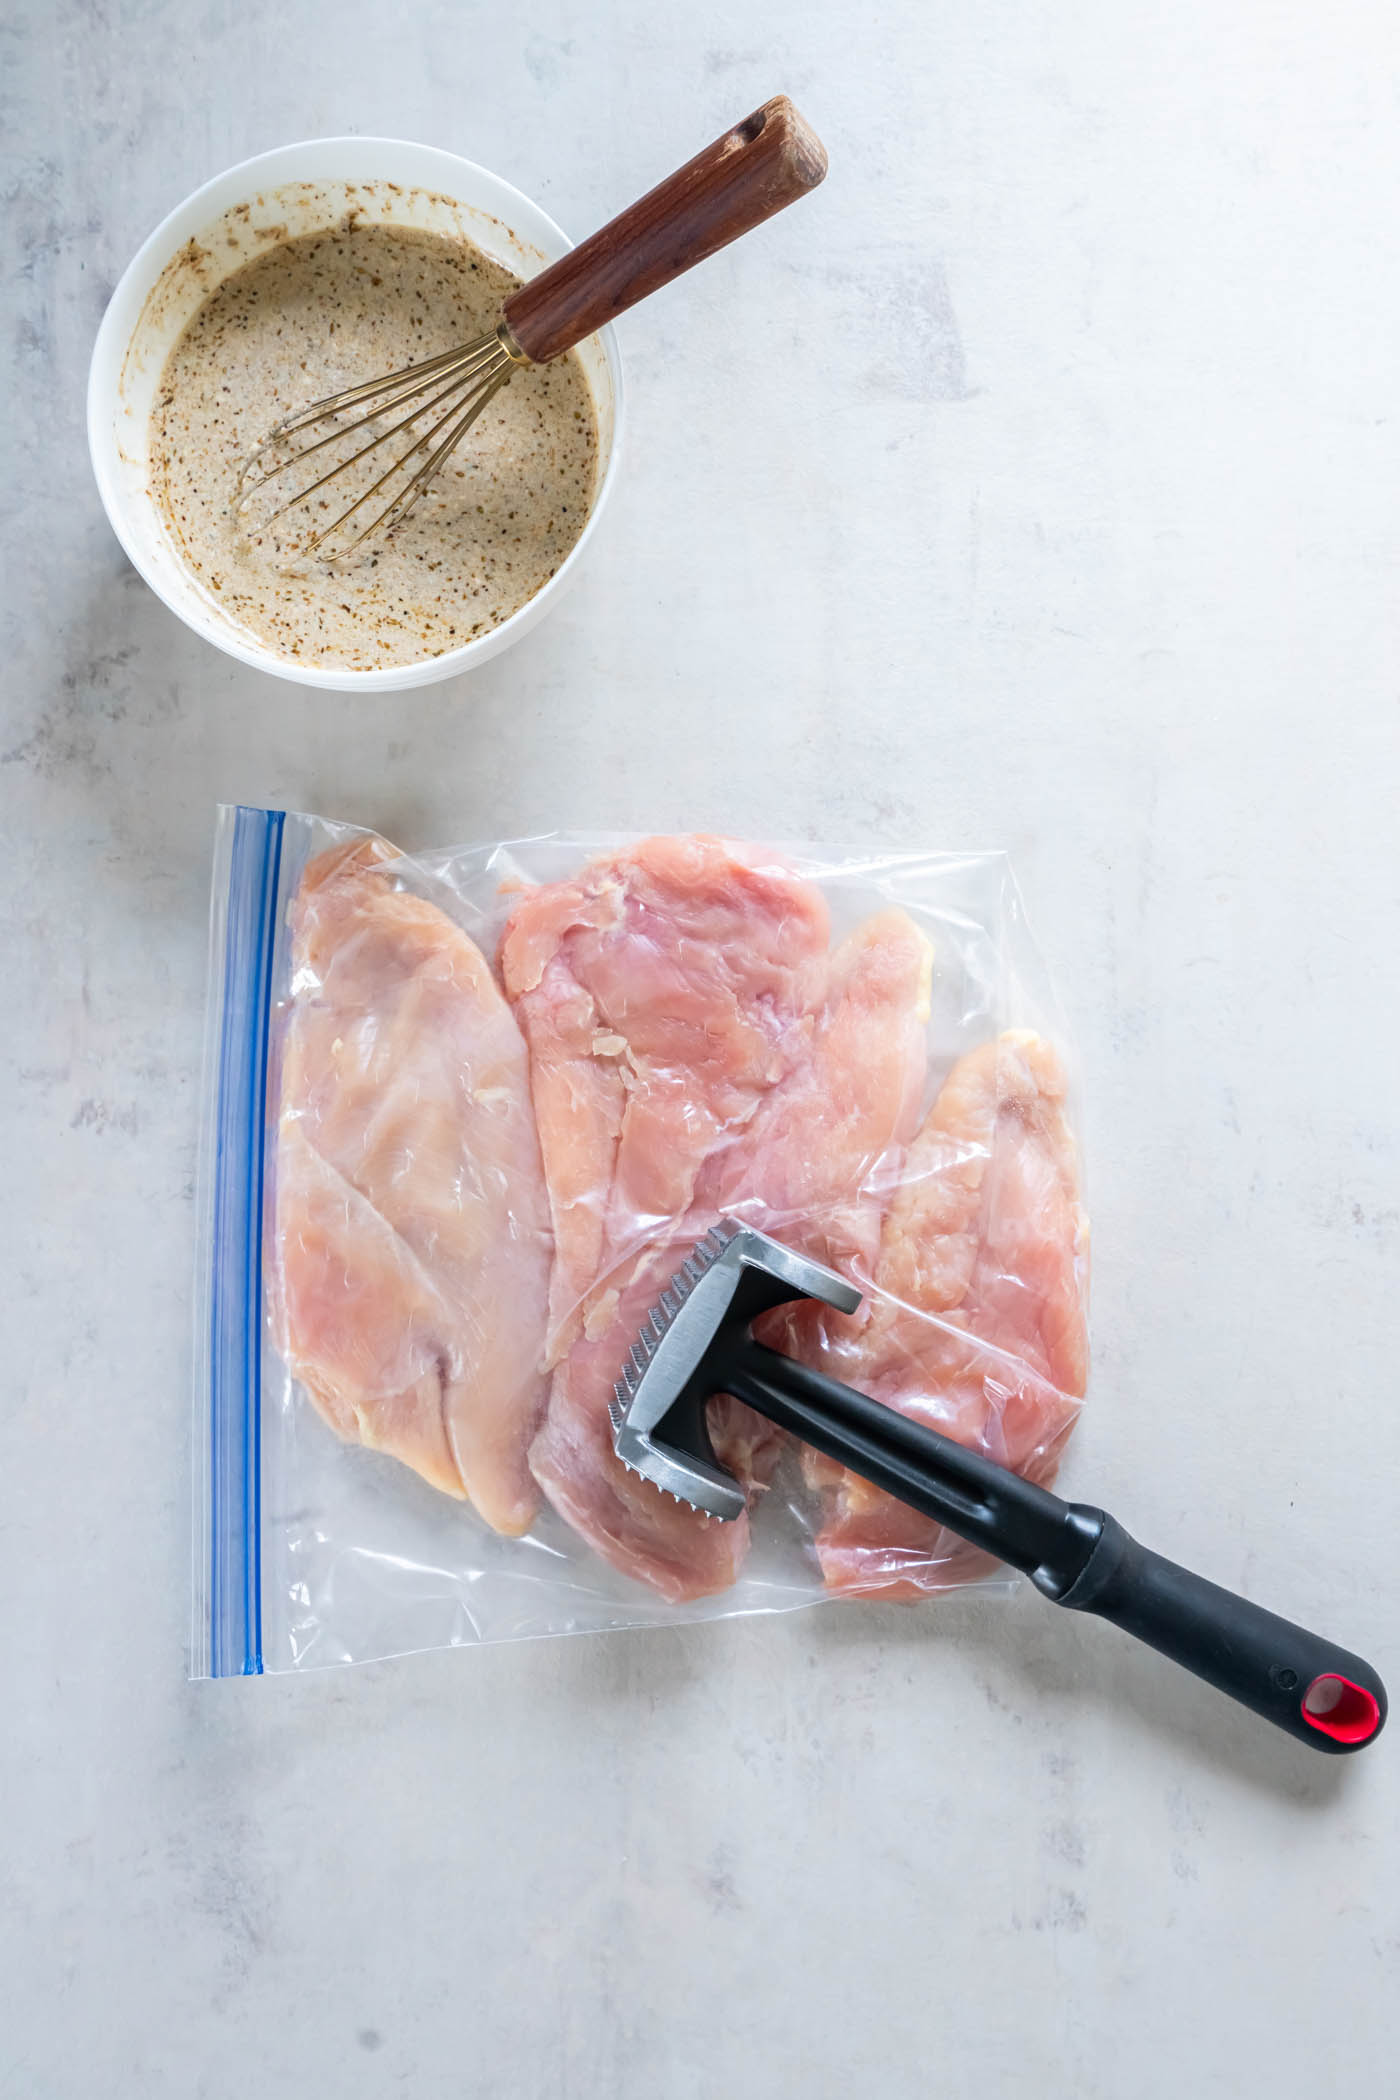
x=808, y=1168
x=412, y=1223
x=663, y=992
x=631, y=1523
x=985, y=1237
x=817, y=1163
x=748, y=1072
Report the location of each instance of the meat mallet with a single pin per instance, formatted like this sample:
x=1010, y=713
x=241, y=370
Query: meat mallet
x=697, y=1341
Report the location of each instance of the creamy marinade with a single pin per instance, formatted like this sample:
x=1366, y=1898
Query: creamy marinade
x=317, y=313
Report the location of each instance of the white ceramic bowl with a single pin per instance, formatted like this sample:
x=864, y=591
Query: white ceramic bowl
x=295, y=190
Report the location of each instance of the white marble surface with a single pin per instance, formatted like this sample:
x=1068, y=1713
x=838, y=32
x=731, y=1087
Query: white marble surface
x=1033, y=485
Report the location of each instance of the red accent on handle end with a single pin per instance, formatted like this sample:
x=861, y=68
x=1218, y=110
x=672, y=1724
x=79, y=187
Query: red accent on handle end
x=1337, y=1707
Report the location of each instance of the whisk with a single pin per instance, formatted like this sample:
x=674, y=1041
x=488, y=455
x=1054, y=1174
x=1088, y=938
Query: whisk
x=305, y=465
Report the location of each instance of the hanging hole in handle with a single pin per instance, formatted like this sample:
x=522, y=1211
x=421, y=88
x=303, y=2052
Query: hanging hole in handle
x=1337, y=1707
x=748, y=131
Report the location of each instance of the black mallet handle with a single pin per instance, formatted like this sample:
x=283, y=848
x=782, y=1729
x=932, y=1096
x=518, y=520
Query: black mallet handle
x=1074, y=1554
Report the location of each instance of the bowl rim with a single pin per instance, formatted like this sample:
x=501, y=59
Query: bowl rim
x=114, y=337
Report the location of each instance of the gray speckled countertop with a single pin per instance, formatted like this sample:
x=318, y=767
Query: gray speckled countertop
x=1034, y=485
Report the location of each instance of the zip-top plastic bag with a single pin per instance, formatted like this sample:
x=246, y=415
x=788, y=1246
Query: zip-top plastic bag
x=467, y=1111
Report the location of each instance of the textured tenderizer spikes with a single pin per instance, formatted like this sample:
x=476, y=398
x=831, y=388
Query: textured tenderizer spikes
x=673, y=1295
x=655, y=1413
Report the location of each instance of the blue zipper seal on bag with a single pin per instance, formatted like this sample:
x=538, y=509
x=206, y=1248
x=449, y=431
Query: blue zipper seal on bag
x=236, y=1298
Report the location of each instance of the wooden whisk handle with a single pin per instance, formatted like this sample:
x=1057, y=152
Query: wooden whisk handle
x=769, y=161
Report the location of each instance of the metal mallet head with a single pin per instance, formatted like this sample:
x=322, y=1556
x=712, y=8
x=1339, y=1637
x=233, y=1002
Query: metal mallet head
x=678, y=1361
